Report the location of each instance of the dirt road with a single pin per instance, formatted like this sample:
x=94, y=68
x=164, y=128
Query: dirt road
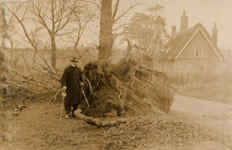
x=211, y=114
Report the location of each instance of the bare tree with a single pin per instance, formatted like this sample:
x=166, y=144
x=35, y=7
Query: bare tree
x=57, y=18
x=19, y=15
x=54, y=16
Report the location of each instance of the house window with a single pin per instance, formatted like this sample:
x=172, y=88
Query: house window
x=201, y=69
x=198, y=52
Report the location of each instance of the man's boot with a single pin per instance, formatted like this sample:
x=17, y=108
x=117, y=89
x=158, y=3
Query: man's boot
x=73, y=114
x=67, y=116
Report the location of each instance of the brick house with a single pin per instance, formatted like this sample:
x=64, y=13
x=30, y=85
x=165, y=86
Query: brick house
x=191, y=51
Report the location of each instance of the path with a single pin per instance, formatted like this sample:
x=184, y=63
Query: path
x=212, y=114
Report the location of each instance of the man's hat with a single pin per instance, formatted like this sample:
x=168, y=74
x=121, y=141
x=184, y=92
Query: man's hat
x=74, y=59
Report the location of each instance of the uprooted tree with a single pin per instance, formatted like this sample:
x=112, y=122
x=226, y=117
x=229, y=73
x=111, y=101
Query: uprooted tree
x=131, y=87
x=135, y=85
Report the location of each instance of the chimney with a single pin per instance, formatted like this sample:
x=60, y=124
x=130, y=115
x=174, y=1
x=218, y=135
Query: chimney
x=173, y=30
x=214, y=34
x=184, y=22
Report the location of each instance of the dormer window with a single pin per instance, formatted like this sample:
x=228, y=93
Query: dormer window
x=198, y=52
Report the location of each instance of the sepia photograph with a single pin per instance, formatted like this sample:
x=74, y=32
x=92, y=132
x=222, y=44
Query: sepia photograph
x=115, y=75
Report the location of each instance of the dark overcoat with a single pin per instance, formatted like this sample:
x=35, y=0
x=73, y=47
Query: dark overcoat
x=72, y=78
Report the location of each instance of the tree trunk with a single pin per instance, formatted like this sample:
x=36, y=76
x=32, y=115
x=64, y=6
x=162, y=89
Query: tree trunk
x=106, y=35
x=53, y=51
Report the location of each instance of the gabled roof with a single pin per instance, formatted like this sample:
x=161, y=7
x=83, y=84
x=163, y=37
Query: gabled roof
x=181, y=39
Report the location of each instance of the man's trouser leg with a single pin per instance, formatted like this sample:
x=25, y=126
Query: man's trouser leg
x=67, y=107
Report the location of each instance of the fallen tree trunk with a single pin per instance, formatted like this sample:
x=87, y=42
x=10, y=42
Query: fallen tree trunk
x=100, y=123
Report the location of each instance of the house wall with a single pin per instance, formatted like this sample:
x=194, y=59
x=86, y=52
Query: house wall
x=194, y=66
x=169, y=67
x=187, y=65
x=190, y=69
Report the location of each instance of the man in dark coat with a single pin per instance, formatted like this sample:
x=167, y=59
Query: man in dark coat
x=71, y=82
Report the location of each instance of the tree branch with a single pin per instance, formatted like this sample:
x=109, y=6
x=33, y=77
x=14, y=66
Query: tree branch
x=94, y=3
x=115, y=10
x=37, y=11
x=122, y=25
x=125, y=12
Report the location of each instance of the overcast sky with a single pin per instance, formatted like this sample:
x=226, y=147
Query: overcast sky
x=206, y=12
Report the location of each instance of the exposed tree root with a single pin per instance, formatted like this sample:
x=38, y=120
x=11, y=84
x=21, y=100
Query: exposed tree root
x=99, y=123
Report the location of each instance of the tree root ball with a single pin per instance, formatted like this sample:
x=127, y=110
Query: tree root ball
x=124, y=89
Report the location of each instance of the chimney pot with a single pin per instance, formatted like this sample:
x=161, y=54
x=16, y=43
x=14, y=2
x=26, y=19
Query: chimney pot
x=214, y=34
x=184, y=22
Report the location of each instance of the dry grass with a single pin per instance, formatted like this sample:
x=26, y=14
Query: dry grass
x=212, y=87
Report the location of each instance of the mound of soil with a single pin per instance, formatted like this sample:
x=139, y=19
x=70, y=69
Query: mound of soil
x=142, y=131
